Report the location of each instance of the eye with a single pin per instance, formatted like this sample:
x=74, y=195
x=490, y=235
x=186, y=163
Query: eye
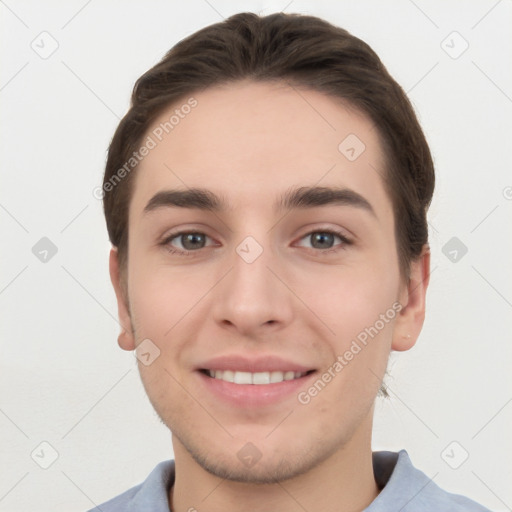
x=324, y=239
x=185, y=243
x=189, y=241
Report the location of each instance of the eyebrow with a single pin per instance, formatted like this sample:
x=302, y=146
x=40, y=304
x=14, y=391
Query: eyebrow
x=302, y=197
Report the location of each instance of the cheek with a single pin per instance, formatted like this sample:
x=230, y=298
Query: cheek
x=348, y=300
x=361, y=314
x=359, y=307
x=160, y=297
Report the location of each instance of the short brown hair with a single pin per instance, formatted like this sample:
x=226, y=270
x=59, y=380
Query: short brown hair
x=304, y=51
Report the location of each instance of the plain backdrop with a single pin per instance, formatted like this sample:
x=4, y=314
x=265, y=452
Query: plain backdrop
x=67, y=72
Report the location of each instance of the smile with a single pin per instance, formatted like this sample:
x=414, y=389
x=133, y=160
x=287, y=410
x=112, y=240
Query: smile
x=257, y=378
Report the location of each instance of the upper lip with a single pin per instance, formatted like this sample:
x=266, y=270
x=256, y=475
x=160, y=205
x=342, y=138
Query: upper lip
x=268, y=363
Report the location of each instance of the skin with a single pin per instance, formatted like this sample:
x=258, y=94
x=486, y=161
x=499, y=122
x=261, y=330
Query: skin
x=250, y=143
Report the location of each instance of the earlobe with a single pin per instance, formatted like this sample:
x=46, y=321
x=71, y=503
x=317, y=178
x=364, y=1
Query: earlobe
x=126, y=341
x=410, y=320
x=126, y=338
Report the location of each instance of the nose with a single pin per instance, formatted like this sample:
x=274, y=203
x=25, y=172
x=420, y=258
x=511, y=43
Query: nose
x=253, y=298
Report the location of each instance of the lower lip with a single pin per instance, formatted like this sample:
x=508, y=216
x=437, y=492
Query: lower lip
x=248, y=395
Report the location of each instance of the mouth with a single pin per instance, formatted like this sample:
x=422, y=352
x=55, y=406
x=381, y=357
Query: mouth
x=262, y=378
x=245, y=382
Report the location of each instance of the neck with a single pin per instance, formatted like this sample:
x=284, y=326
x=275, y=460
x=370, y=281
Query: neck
x=344, y=481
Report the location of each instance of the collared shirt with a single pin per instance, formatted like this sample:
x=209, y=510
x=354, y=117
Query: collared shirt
x=402, y=488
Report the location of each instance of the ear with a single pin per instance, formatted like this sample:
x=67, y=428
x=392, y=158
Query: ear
x=126, y=339
x=409, y=321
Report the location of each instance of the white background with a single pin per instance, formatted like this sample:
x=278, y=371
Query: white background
x=63, y=378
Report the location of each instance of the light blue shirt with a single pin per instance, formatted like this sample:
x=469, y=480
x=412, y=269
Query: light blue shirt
x=403, y=488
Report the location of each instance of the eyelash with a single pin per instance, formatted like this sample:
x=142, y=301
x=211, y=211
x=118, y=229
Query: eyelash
x=184, y=252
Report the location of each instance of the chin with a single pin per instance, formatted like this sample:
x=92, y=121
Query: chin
x=262, y=472
x=251, y=465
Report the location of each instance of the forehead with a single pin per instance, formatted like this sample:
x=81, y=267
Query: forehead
x=250, y=142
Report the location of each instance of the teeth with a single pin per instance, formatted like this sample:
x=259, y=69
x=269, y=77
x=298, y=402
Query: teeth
x=276, y=377
x=227, y=375
x=261, y=378
x=258, y=378
x=240, y=377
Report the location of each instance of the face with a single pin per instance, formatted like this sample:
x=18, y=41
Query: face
x=273, y=299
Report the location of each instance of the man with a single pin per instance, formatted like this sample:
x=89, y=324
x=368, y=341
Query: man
x=266, y=198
